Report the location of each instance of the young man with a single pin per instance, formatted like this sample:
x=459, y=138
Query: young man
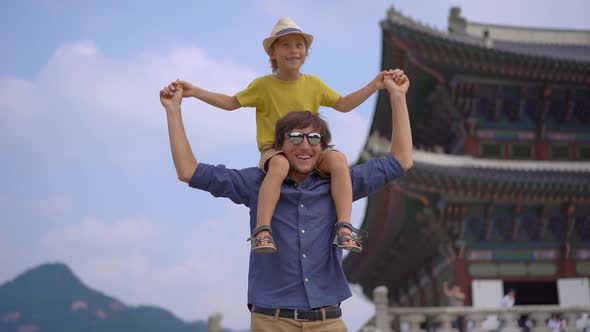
x=301, y=286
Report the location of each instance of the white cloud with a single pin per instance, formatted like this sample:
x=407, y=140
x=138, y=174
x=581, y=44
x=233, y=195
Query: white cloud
x=13, y=93
x=81, y=96
x=80, y=49
x=93, y=234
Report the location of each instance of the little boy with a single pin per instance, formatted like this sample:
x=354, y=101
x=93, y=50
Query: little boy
x=275, y=95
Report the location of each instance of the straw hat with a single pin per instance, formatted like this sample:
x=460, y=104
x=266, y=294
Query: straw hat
x=283, y=27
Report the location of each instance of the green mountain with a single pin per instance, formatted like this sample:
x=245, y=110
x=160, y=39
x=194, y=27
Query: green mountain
x=50, y=298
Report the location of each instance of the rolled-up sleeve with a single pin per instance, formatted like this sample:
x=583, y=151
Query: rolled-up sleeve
x=373, y=175
x=237, y=185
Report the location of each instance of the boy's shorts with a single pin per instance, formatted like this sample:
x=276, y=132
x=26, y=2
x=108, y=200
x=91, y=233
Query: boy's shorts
x=268, y=152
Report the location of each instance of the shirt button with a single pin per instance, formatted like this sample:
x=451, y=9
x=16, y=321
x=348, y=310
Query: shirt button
x=306, y=280
x=301, y=205
x=303, y=231
x=304, y=256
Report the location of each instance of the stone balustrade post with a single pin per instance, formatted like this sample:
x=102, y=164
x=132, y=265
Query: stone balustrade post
x=509, y=321
x=414, y=321
x=382, y=316
x=477, y=318
x=570, y=318
x=540, y=318
x=447, y=322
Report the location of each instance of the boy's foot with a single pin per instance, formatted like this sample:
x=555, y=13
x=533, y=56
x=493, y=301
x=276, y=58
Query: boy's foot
x=262, y=241
x=349, y=238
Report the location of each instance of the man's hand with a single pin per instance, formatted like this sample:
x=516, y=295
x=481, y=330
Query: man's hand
x=396, y=82
x=188, y=88
x=171, y=99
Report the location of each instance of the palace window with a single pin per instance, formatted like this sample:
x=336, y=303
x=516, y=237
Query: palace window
x=561, y=152
x=582, y=106
x=533, y=109
x=521, y=151
x=491, y=150
x=584, y=152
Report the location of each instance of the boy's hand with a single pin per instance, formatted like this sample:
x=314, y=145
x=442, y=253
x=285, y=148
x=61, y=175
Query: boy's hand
x=188, y=88
x=377, y=83
x=396, y=82
x=171, y=99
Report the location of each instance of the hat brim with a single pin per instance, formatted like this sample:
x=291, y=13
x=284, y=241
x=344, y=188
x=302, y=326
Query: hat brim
x=267, y=43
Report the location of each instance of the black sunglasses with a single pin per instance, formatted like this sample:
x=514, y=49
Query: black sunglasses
x=297, y=138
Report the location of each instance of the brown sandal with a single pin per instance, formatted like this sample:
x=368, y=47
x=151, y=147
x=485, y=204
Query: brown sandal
x=356, y=236
x=257, y=246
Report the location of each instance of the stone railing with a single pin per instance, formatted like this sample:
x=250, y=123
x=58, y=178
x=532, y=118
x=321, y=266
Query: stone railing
x=443, y=319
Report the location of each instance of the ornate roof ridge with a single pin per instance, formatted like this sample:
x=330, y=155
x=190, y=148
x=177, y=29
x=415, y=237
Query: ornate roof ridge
x=440, y=159
x=525, y=28
x=519, y=34
x=398, y=17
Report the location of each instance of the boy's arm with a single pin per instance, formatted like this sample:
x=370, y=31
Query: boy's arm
x=219, y=100
x=182, y=154
x=397, y=85
x=351, y=101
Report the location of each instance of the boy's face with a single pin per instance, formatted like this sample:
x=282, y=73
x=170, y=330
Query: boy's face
x=289, y=52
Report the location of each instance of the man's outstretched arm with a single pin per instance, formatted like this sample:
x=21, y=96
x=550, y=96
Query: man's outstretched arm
x=397, y=84
x=182, y=154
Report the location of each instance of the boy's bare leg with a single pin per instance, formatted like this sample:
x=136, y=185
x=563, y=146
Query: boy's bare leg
x=270, y=191
x=335, y=164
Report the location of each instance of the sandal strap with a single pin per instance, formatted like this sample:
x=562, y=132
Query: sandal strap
x=257, y=240
x=358, y=233
x=258, y=230
x=355, y=236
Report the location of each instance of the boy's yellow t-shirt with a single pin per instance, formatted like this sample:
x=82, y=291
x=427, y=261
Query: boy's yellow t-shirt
x=274, y=98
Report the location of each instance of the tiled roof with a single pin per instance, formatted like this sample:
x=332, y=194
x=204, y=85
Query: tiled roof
x=485, y=178
x=579, y=53
x=567, y=52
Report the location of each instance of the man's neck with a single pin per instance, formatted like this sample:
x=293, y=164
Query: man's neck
x=298, y=177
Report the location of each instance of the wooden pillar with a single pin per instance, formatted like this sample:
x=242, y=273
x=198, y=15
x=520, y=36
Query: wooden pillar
x=435, y=289
x=541, y=144
x=568, y=263
x=462, y=278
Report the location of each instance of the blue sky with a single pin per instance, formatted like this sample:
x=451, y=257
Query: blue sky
x=86, y=173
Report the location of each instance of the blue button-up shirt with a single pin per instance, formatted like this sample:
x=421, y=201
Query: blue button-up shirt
x=306, y=270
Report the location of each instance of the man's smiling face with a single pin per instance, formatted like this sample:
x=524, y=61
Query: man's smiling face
x=302, y=157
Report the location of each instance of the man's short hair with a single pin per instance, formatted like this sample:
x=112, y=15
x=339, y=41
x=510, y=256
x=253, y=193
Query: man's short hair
x=299, y=120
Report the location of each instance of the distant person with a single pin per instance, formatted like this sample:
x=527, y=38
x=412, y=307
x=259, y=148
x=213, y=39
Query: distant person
x=274, y=96
x=508, y=300
x=301, y=286
x=455, y=298
x=555, y=323
x=455, y=295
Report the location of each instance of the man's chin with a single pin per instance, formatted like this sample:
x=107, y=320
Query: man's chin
x=305, y=168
